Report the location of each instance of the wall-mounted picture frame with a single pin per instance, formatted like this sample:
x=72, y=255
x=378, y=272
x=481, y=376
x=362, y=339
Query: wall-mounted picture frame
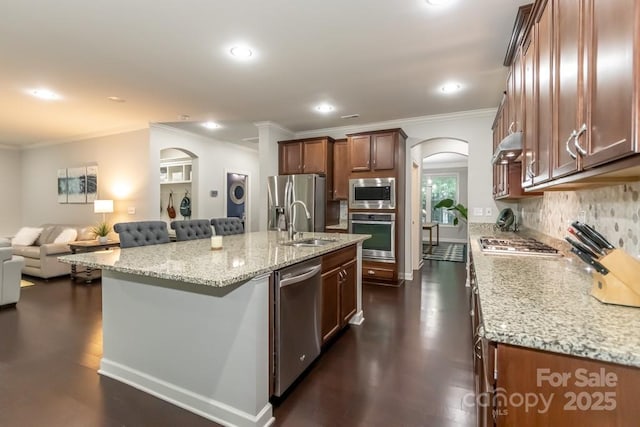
x=62, y=186
x=78, y=184
x=92, y=183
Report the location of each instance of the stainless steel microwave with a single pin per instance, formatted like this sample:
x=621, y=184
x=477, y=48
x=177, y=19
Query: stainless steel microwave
x=372, y=193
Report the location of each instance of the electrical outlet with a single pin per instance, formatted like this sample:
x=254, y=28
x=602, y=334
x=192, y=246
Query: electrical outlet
x=477, y=211
x=487, y=212
x=131, y=210
x=213, y=193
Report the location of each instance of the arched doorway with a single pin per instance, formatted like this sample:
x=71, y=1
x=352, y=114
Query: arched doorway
x=177, y=173
x=441, y=157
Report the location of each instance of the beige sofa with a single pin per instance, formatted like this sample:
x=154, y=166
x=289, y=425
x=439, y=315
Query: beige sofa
x=41, y=258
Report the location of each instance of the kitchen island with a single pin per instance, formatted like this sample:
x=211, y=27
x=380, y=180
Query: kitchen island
x=191, y=325
x=539, y=333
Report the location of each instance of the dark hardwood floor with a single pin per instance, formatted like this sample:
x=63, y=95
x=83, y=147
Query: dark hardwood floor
x=409, y=364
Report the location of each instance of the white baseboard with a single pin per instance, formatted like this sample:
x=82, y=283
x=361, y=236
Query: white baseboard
x=406, y=276
x=357, y=319
x=193, y=402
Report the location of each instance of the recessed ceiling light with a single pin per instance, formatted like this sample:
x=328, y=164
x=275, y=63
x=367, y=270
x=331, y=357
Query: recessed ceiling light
x=45, y=94
x=451, y=87
x=116, y=99
x=324, y=108
x=437, y=2
x=211, y=125
x=242, y=52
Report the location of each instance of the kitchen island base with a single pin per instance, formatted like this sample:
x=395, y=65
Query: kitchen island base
x=203, y=348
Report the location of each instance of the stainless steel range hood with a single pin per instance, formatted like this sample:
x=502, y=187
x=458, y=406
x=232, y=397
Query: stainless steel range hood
x=509, y=149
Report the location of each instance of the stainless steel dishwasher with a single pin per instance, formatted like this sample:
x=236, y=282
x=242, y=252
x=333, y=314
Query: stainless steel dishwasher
x=297, y=321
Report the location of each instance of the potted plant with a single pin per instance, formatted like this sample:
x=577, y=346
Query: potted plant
x=458, y=209
x=101, y=231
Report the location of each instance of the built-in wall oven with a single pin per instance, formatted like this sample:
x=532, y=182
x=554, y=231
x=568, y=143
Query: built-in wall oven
x=372, y=193
x=382, y=228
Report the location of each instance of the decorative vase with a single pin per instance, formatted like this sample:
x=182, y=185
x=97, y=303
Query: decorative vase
x=103, y=239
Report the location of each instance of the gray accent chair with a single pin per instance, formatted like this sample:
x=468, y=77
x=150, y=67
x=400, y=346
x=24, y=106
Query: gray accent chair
x=227, y=226
x=141, y=233
x=192, y=229
x=10, y=275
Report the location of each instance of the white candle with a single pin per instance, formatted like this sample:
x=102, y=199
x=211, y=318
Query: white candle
x=216, y=242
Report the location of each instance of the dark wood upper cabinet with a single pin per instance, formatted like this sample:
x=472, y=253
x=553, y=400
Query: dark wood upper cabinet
x=543, y=96
x=376, y=151
x=314, y=155
x=384, y=151
x=529, y=141
x=310, y=155
x=581, y=94
x=290, y=158
x=360, y=153
x=611, y=93
x=568, y=84
x=341, y=170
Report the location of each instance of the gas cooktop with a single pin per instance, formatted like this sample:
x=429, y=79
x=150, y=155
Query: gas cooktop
x=516, y=246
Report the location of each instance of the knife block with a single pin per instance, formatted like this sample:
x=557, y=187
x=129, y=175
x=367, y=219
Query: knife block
x=622, y=285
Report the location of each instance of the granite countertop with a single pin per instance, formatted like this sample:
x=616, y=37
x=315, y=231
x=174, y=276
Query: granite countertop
x=342, y=225
x=544, y=303
x=243, y=257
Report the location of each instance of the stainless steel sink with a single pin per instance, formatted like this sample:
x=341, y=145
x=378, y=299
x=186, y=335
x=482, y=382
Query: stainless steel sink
x=310, y=242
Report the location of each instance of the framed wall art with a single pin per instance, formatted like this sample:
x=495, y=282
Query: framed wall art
x=78, y=184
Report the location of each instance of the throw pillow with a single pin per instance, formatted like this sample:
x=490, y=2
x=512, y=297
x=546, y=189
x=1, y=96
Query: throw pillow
x=26, y=236
x=67, y=235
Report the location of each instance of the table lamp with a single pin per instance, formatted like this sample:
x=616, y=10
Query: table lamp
x=104, y=207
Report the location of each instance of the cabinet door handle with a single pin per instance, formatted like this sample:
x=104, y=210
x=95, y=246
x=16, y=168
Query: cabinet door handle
x=371, y=272
x=576, y=143
x=571, y=153
x=477, y=347
x=530, y=173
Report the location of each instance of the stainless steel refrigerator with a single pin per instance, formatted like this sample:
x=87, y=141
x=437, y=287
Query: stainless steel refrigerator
x=310, y=189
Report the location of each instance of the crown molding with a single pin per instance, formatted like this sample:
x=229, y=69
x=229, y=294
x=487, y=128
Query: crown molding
x=273, y=125
x=481, y=113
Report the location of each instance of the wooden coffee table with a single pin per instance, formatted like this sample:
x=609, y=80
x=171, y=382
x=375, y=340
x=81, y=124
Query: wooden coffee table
x=88, y=274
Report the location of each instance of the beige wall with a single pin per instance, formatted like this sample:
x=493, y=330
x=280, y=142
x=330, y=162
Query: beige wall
x=212, y=160
x=122, y=176
x=10, y=191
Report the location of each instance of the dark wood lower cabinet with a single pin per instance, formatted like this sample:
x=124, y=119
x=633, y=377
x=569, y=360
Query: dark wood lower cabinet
x=373, y=272
x=536, y=388
x=330, y=303
x=339, y=297
x=348, y=293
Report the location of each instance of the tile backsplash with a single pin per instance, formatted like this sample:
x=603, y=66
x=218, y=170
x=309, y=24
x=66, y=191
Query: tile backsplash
x=614, y=211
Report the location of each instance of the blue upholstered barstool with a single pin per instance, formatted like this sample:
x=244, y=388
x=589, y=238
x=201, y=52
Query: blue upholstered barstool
x=227, y=226
x=192, y=229
x=141, y=233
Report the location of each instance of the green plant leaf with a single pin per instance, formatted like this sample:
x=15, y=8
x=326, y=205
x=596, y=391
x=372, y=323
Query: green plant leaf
x=101, y=230
x=444, y=203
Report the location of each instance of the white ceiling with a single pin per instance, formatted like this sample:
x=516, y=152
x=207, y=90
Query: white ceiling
x=381, y=59
x=444, y=160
